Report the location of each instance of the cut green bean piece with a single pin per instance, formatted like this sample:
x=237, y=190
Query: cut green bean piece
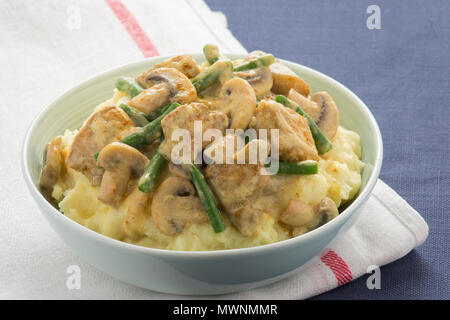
x=210, y=75
x=299, y=168
x=211, y=53
x=261, y=61
x=138, y=117
x=148, y=133
x=207, y=198
x=129, y=86
x=323, y=145
x=151, y=174
x=155, y=114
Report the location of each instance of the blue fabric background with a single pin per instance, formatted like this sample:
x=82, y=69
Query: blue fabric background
x=402, y=72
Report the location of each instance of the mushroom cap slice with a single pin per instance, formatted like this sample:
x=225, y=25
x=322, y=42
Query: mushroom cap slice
x=328, y=121
x=237, y=99
x=121, y=163
x=175, y=205
x=321, y=108
x=260, y=79
x=284, y=79
x=325, y=211
x=295, y=139
x=310, y=107
x=53, y=164
x=180, y=88
x=105, y=125
x=152, y=98
x=184, y=63
x=303, y=217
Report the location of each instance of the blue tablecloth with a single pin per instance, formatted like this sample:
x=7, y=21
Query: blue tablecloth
x=402, y=72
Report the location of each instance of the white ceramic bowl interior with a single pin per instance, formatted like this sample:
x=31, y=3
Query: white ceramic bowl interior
x=205, y=272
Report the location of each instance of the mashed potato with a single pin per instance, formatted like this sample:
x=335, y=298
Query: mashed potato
x=338, y=178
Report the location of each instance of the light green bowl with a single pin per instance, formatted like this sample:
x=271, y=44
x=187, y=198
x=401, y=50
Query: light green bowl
x=200, y=272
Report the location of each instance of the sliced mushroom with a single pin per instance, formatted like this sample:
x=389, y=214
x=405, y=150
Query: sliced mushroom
x=328, y=122
x=310, y=107
x=175, y=205
x=53, y=164
x=284, y=79
x=322, y=110
x=295, y=139
x=184, y=63
x=326, y=210
x=173, y=86
x=237, y=99
x=104, y=126
x=260, y=79
x=121, y=163
x=185, y=117
x=151, y=99
x=302, y=217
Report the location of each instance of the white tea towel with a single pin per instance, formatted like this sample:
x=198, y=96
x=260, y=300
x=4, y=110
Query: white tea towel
x=47, y=47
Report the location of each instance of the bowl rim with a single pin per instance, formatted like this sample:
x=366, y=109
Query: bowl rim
x=356, y=203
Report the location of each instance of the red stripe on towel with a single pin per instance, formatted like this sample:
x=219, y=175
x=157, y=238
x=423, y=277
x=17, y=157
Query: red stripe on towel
x=338, y=266
x=133, y=28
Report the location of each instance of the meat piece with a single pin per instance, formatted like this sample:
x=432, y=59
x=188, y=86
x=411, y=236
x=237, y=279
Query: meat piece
x=295, y=139
x=104, y=126
x=284, y=79
x=184, y=63
x=237, y=187
x=184, y=117
x=137, y=213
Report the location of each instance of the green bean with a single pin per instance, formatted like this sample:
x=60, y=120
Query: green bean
x=148, y=133
x=323, y=145
x=151, y=174
x=300, y=168
x=261, y=61
x=210, y=75
x=207, y=198
x=139, y=118
x=211, y=53
x=155, y=114
x=129, y=86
